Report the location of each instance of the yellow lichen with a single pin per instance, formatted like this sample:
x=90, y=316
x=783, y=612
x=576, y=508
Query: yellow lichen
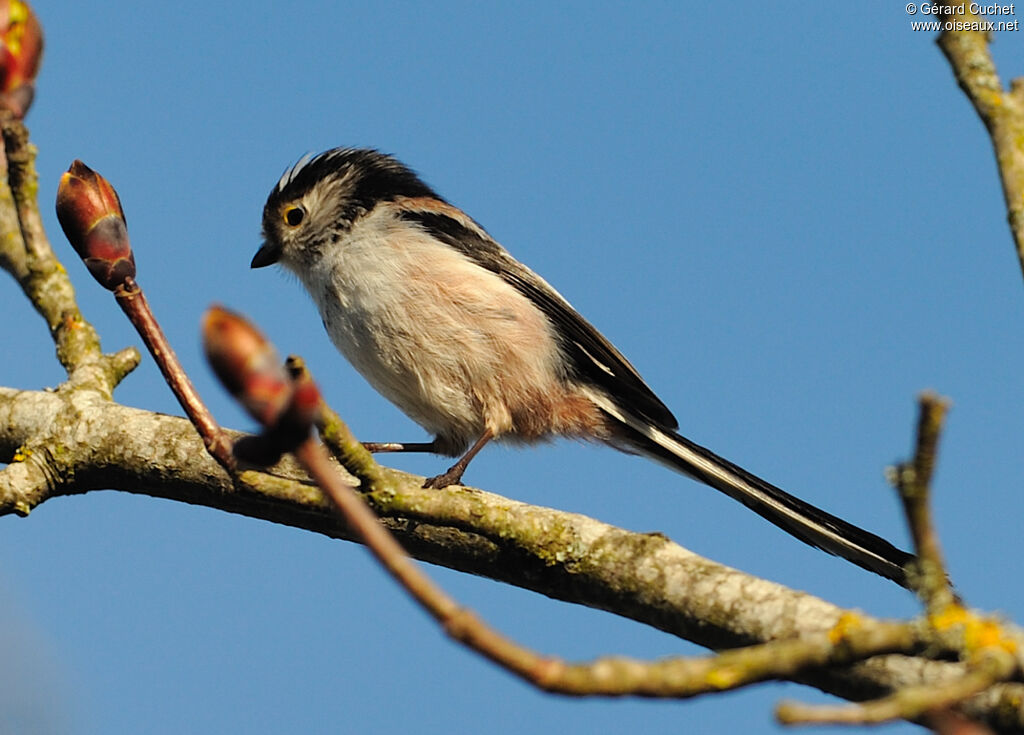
x=848, y=622
x=949, y=616
x=981, y=633
x=724, y=677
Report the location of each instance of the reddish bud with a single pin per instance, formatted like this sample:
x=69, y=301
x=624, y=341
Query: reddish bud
x=21, y=50
x=90, y=213
x=247, y=365
x=304, y=408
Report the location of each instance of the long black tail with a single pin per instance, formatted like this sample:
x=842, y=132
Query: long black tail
x=804, y=521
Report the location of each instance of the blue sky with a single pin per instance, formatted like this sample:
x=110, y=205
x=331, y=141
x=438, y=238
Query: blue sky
x=786, y=215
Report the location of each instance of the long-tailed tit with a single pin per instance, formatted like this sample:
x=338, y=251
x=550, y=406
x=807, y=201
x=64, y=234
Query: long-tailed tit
x=474, y=346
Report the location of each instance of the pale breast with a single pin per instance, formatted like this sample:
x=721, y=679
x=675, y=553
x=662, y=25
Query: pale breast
x=453, y=345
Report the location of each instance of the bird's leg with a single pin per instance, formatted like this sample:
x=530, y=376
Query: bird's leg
x=376, y=447
x=454, y=474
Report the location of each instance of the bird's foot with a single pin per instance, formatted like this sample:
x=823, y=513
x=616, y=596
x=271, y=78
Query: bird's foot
x=452, y=477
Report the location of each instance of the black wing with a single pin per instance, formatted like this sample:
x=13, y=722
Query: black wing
x=592, y=358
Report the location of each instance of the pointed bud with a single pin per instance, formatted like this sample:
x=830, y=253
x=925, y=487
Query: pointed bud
x=90, y=213
x=21, y=50
x=247, y=365
x=291, y=428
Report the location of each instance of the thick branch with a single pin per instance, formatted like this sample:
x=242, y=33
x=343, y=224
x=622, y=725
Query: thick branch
x=567, y=556
x=26, y=254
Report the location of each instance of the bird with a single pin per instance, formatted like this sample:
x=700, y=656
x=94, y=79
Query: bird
x=474, y=346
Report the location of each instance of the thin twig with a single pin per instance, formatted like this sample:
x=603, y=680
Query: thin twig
x=133, y=302
x=913, y=483
x=910, y=703
x=989, y=648
x=458, y=622
x=340, y=440
x=852, y=639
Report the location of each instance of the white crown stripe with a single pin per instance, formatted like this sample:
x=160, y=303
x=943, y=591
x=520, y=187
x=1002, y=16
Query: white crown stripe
x=289, y=175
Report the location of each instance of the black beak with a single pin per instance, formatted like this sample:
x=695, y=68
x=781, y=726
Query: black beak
x=268, y=254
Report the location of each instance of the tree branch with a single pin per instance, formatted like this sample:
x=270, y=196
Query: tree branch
x=26, y=254
x=77, y=440
x=645, y=577
x=1000, y=110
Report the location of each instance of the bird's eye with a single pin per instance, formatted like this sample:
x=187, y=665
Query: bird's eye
x=294, y=215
